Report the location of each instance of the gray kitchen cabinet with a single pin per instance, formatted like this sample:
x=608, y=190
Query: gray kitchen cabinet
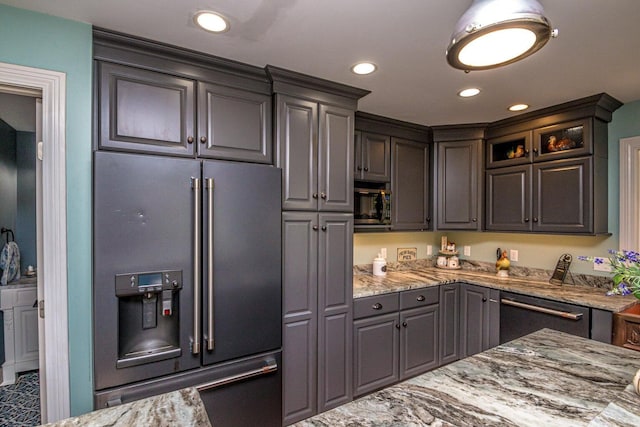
x=449, y=323
x=234, y=124
x=395, y=337
x=315, y=152
x=410, y=185
x=160, y=99
x=479, y=319
x=553, y=196
x=317, y=317
x=372, y=157
x=458, y=187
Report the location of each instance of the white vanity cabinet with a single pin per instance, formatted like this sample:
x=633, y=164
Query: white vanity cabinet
x=20, y=330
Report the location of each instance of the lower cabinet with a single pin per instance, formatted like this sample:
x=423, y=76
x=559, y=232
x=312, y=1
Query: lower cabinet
x=317, y=315
x=395, y=337
x=449, y=323
x=479, y=319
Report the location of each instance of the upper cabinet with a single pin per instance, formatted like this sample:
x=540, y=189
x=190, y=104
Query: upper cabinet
x=546, y=171
x=411, y=185
x=159, y=99
x=372, y=157
x=459, y=177
x=314, y=141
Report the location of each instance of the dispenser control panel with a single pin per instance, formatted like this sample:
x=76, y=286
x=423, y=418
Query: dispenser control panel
x=149, y=282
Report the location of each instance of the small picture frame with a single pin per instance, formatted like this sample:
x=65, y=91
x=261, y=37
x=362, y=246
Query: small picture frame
x=407, y=254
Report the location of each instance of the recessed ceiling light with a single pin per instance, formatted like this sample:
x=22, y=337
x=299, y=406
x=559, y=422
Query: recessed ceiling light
x=211, y=21
x=363, y=68
x=466, y=93
x=518, y=107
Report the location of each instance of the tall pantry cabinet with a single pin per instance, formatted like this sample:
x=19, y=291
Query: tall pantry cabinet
x=314, y=147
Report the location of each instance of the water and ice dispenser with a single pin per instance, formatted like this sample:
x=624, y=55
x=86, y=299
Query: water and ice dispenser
x=148, y=317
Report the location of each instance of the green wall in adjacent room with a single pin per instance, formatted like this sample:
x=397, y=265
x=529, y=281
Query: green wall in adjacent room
x=42, y=41
x=534, y=250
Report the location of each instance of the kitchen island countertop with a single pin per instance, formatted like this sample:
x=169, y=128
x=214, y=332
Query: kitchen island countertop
x=545, y=378
x=178, y=408
x=367, y=285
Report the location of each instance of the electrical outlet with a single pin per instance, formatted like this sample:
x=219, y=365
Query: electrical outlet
x=383, y=252
x=513, y=255
x=601, y=264
x=429, y=250
x=467, y=251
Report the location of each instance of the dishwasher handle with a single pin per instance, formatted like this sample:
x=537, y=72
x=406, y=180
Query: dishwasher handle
x=558, y=313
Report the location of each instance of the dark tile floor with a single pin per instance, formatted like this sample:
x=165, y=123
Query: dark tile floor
x=20, y=402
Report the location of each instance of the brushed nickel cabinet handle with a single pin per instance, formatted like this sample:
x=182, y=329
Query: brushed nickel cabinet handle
x=190, y=139
x=195, y=184
x=377, y=306
x=209, y=184
x=420, y=298
x=203, y=139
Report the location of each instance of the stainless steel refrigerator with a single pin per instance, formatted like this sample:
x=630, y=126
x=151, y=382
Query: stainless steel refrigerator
x=187, y=283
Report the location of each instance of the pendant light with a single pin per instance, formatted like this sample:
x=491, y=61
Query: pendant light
x=493, y=33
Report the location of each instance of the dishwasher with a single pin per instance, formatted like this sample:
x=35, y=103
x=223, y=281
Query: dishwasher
x=521, y=315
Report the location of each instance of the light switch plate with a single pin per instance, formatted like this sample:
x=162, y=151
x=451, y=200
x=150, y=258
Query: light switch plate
x=467, y=251
x=429, y=250
x=513, y=255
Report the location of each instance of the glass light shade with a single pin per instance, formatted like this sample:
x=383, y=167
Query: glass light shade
x=211, y=21
x=492, y=33
x=497, y=47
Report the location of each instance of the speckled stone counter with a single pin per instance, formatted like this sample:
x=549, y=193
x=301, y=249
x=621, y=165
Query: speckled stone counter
x=395, y=281
x=178, y=408
x=545, y=378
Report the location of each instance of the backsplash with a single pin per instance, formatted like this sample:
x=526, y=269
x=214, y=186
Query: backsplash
x=537, y=274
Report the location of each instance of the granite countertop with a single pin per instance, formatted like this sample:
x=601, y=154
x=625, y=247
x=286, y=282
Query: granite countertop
x=178, y=408
x=367, y=285
x=545, y=378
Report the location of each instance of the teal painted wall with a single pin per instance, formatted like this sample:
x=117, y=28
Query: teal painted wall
x=540, y=251
x=42, y=41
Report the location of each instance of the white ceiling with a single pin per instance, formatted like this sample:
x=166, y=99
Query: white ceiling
x=405, y=38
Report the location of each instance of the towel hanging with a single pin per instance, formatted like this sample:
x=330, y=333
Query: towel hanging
x=10, y=262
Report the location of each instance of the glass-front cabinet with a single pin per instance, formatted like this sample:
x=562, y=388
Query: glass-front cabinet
x=569, y=139
x=509, y=150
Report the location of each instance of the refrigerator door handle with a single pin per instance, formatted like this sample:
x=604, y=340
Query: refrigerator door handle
x=195, y=347
x=209, y=184
x=270, y=366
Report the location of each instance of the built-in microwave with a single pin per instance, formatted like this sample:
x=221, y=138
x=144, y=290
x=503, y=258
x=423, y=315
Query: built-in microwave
x=372, y=207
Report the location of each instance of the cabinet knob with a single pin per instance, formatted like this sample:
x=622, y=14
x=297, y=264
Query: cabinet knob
x=420, y=298
x=428, y=219
x=535, y=151
x=484, y=299
x=474, y=219
x=377, y=306
x=535, y=219
x=404, y=324
x=397, y=326
x=324, y=228
x=315, y=228
x=190, y=139
x=526, y=153
x=203, y=139
x=315, y=195
x=526, y=220
x=359, y=168
x=323, y=195
x=366, y=169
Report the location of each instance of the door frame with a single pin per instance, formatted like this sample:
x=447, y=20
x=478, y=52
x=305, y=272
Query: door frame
x=629, y=193
x=52, y=84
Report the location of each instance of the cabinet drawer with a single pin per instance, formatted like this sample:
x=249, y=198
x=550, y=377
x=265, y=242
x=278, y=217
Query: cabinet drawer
x=419, y=297
x=375, y=305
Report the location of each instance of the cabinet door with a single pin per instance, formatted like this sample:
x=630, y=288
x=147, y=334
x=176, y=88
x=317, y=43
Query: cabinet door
x=508, y=199
x=297, y=145
x=410, y=186
x=233, y=124
x=335, y=300
x=145, y=111
x=509, y=150
x=458, y=185
x=563, y=196
x=474, y=315
x=375, y=162
x=376, y=342
x=449, y=323
x=335, y=157
x=419, y=340
x=562, y=140
x=26, y=335
x=299, y=302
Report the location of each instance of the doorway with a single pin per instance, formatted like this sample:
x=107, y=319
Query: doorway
x=52, y=245
x=20, y=173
